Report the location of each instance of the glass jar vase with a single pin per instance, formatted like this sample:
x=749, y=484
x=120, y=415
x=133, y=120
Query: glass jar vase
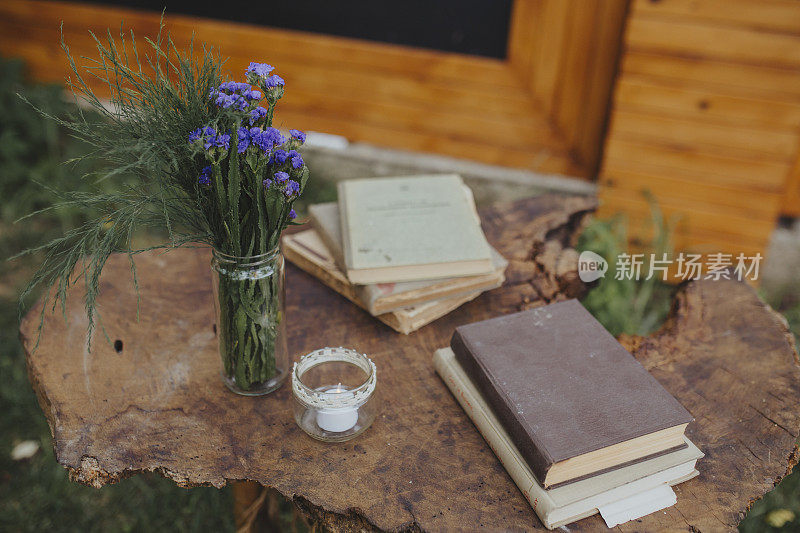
x=250, y=321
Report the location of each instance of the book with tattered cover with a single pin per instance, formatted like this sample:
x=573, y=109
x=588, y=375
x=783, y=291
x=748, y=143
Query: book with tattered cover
x=306, y=250
x=573, y=400
x=410, y=228
x=382, y=298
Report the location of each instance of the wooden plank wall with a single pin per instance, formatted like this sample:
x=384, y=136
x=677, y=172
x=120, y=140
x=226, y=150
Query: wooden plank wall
x=706, y=109
x=566, y=53
x=544, y=109
x=403, y=97
x=706, y=115
x=791, y=200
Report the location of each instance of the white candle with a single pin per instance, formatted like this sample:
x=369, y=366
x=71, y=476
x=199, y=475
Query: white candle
x=340, y=419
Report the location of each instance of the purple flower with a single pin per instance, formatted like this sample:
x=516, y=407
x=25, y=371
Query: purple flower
x=292, y=214
x=206, y=133
x=205, y=176
x=275, y=135
x=235, y=87
x=260, y=141
x=265, y=139
x=224, y=100
x=261, y=138
x=222, y=141
x=257, y=114
x=262, y=70
x=244, y=140
x=253, y=95
x=254, y=132
x=299, y=135
x=267, y=183
x=297, y=160
x=274, y=81
x=281, y=177
x=241, y=103
x=292, y=188
x=281, y=156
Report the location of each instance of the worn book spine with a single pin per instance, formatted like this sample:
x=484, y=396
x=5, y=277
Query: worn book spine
x=335, y=248
x=423, y=314
x=378, y=304
x=344, y=226
x=309, y=258
x=495, y=437
x=538, y=459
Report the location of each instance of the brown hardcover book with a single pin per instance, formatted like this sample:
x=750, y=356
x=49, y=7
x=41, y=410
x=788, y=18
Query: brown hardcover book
x=573, y=400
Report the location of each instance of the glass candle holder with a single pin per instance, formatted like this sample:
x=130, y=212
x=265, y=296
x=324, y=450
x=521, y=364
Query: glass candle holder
x=334, y=393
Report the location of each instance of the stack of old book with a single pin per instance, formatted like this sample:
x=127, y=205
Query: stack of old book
x=408, y=250
x=578, y=423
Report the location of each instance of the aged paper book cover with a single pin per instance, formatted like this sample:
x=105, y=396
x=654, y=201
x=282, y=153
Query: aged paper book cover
x=382, y=298
x=410, y=228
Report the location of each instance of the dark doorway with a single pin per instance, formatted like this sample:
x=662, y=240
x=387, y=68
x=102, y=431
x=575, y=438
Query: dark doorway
x=476, y=27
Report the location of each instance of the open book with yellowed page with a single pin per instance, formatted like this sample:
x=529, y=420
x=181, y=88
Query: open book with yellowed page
x=567, y=503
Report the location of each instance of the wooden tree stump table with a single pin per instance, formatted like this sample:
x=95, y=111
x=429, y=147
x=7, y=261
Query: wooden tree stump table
x=152, y=400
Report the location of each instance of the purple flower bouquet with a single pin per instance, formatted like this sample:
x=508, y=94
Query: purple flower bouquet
x=251, y=175
x=198, y=158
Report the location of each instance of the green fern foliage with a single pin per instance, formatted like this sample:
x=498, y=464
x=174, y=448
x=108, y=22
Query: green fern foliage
x=138, y=142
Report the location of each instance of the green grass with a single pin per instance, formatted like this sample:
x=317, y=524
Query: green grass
x=36, y=494
x=779, y=510
x=628, y=306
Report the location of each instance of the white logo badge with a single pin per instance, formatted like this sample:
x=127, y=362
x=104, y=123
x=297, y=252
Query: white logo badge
x=591, y=266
